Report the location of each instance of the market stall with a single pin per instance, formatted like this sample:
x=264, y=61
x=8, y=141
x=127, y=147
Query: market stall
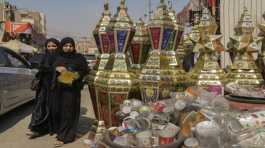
x=212, y=109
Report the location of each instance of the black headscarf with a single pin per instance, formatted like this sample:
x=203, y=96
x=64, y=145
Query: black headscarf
x=65, y=41
x=53, y=40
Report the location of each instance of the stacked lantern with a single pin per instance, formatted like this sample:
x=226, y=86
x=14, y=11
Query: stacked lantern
x=140, y=46
x=174, y=65
x=118, y=83
x=207, y=71
x=156, y=78
x=104, y=46
x=244, y=71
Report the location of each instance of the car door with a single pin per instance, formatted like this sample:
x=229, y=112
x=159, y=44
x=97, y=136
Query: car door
x=18, y=77
x=4, y=80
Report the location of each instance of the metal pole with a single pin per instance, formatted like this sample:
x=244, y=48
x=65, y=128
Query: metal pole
x=149, y=9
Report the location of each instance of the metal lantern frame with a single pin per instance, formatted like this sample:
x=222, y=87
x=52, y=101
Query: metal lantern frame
x=207, y=72
x=103, y=43
x=118, y=82
x=156, y=79
x=244, y=70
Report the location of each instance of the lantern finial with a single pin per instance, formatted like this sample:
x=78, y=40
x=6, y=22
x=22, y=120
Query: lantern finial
x=245, y=24
x=106, y=5
x=207, y=23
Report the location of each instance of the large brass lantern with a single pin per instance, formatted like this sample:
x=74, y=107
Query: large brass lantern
x=156, y=80
x=104, y=47
x=120, y=82
x=207, y=70
x=244, y=70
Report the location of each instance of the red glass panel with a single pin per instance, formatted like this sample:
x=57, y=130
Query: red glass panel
x=112, y=42
x=155, y=36
x=105, y=43
x=135, y=47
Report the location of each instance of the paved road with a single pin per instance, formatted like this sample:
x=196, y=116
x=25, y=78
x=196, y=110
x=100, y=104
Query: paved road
x=13, y=127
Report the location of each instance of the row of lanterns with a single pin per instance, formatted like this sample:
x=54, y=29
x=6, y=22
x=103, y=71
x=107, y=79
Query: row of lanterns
x=140, y=61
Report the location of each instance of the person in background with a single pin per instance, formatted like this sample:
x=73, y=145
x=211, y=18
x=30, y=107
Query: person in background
x=40, y=120
x=70, y=68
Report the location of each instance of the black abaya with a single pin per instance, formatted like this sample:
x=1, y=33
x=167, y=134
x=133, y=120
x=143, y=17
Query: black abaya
x=40, y=120
x=69, y=95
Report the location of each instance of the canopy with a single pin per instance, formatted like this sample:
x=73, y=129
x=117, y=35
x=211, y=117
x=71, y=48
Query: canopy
x=19, y=47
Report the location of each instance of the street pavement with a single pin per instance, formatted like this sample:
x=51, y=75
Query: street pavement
x=13, y=127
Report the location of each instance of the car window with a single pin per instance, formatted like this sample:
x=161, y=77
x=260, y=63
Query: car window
x=15, y=62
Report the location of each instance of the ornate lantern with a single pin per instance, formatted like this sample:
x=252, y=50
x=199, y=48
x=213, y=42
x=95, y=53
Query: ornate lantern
x=156, y=80
x=244, y=71
x=175, y=66
x=140, y=46
x=261, y=56
x=104, y=46
x=118, y=82
x=207, y=71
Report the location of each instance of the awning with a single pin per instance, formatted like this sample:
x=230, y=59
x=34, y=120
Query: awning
x=19, y=47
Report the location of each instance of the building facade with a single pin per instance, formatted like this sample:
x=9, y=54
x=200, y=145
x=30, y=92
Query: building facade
x=86, y=46
x=7, y=11
x=35, y=18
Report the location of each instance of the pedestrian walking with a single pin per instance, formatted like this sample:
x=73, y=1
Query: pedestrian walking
x=40, y=120
x=70, y=68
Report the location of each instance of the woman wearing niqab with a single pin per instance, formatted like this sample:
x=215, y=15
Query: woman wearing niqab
x=40, y=123
x=71, y=67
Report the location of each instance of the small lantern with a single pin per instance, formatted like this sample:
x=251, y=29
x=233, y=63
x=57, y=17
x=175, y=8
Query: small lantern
x=140, y=45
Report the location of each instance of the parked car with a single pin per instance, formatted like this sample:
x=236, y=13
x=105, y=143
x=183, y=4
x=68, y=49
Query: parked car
x=91, y=60
x=15, y=79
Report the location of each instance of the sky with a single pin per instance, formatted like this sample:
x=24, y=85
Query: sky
x=79, y=17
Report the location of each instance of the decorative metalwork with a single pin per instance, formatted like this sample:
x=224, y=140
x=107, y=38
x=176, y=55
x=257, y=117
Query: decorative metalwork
x=118, y=82
x=181, y=51
x=104, y=46
x=174, y=65
x=157, y=76
x=207, y=71
x=244, y=71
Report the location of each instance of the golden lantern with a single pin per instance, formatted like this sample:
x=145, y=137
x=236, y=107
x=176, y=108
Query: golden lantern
x=207, y=71
x=103, y=42
x=140, y=46
x=118, y=82
x=156, y=78
x=244, y=71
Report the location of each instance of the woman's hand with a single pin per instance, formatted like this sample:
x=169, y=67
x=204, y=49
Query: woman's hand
x=60, y=69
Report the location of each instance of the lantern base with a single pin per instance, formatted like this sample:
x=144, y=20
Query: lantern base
x=244, y=71
x=207, y=71
x=97, y=72
x=156, y=81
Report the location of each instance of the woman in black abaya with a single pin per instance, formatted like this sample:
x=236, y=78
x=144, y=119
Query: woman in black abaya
x=69, y=94
x=40, y=120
